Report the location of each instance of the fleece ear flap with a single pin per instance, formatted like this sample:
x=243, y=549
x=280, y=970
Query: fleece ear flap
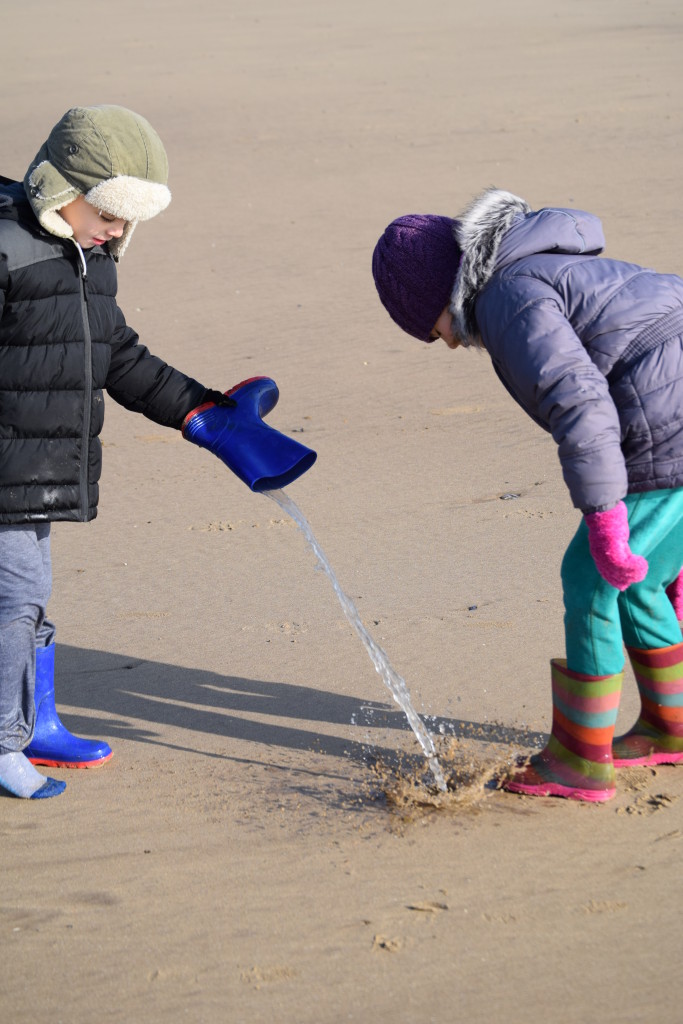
x=48, y=191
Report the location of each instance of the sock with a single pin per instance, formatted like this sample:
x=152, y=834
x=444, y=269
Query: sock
x=19, y=777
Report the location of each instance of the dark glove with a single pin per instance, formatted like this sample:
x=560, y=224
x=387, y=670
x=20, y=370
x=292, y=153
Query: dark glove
x=218, y=398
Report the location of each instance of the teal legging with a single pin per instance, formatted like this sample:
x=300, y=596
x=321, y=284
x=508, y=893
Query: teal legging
x=599, y=619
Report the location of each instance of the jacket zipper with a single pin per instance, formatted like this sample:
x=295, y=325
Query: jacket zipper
x=87, y=391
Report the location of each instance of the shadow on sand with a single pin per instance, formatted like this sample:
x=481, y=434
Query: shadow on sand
x=118, y=688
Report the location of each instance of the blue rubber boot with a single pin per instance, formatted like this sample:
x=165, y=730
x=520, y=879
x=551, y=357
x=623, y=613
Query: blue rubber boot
x=263, y=458
x=52, y=743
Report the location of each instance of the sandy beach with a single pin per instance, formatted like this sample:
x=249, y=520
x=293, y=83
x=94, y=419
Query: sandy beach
x=265, y=845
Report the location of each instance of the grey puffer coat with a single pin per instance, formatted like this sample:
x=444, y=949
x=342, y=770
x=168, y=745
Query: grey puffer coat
x=590, y=347
x=63, y=339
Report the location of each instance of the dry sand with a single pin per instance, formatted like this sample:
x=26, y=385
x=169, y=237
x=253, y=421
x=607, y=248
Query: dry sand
x=254, y=852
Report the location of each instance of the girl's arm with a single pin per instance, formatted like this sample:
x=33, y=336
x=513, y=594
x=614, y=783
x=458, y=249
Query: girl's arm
x=545, y=367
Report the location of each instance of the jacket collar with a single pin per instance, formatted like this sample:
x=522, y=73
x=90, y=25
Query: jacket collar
x=479, y=232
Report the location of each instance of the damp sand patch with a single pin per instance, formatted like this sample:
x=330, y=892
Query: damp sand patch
x=407, y=790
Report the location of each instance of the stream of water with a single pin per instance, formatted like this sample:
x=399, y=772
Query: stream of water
x=395, y=683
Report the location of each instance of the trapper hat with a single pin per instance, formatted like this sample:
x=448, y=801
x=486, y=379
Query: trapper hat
x=108, y=154
x=414, y=266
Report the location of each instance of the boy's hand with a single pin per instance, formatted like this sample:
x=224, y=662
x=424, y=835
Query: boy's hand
x=608, y=535
x=219, y=398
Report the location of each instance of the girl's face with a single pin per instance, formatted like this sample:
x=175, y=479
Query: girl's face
x=89, y=225
x=443, y=328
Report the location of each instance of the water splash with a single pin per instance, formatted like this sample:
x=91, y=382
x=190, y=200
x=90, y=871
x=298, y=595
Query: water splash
x=395, y=683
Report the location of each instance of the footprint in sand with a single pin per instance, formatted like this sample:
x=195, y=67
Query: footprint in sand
x=381, y=942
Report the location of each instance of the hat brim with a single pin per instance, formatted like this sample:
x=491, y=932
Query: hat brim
x=129, y=198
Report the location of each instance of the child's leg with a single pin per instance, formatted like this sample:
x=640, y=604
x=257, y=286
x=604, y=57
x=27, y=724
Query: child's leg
x=592, y=625
x=577, y=760
x=653, y=636
x=598, y=618
x=594, y=614
x=52, y=743
x=648, y=619
x=24, y=590
x=17, y=672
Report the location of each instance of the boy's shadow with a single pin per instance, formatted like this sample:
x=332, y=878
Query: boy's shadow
x=170, y=695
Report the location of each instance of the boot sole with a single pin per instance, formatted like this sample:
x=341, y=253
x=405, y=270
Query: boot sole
x=54, y=763
x=593, y=796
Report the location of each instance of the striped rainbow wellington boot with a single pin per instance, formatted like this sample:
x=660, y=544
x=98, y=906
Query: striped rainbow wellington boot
x=577, y=760
x=657, y=736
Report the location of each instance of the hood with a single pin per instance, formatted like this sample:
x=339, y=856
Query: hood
x=499, y=228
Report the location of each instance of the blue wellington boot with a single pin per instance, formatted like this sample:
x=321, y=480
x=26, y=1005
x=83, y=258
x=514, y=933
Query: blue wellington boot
x=262, y=457
x=52, y=743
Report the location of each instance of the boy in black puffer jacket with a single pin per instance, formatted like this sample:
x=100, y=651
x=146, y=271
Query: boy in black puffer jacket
x=63, y=340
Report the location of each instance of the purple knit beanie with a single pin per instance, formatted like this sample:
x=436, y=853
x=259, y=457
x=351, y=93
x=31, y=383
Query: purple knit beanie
x=414, y=266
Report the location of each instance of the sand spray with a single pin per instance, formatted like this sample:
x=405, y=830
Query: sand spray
x=394, y=682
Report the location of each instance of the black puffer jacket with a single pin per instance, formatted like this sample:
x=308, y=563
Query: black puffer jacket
x=63, y=340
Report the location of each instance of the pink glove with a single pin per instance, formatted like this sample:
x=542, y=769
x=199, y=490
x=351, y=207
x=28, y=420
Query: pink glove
x=608, y=541
x=675, y=594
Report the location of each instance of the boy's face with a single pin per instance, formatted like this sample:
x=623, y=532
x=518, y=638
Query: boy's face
x=443, y=328
x=89, y=225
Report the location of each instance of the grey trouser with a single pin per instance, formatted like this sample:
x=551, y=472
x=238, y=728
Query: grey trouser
x=25, y=586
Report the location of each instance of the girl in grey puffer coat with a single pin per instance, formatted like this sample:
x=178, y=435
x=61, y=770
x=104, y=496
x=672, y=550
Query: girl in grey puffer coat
x=592, y=349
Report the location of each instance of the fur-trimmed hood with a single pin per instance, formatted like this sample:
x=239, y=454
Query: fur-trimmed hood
x=498, y=228
x=108, y=154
